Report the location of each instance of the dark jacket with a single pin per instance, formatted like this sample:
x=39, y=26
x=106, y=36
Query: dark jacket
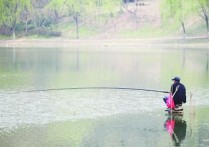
x=180, y=95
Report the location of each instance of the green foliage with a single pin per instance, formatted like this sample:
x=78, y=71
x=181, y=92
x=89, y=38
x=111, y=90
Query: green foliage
x=202, y=7
x=69, y=7
x=147, y=32
x=1, y=12
x=176, y=9
x=110, y=6
x=36, y=15
x=11, y=11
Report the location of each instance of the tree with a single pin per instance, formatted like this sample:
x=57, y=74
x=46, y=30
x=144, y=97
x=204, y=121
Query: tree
x=178, y=10
x=203, y=8
x=56, y=7
x=11, y=11
x=77, y=8
x=39, y=14
x=110, y=8
x=132, y=10
x=1, y=12
x=72, y=8
x=26, y=15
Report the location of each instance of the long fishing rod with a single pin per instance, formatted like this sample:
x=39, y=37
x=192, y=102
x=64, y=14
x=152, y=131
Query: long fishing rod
x=74, y=88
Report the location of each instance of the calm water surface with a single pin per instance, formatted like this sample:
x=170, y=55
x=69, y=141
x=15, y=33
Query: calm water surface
x=101, y=117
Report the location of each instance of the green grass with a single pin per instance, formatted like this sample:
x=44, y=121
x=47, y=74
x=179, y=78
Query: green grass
x=3, y=37
x=197, y=29
x=146, y=32
x=36, y=36
x=68, y=30
x=167, y=30
x=92, y=30
x=88, y=32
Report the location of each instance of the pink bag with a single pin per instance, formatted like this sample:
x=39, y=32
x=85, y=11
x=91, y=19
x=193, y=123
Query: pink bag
x=170, y=102
x=170, y=124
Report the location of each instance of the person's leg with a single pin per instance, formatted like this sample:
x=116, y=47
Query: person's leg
x=178, y=108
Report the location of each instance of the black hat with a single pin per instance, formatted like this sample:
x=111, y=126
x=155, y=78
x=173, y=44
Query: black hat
x=176, y=79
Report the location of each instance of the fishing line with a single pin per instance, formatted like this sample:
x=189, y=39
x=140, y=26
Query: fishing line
x=75, y=88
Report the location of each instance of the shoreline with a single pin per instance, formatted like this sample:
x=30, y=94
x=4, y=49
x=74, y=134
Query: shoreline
x=59, y=42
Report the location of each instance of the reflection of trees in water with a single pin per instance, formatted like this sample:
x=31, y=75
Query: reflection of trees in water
x=207, y=66
x=77, y=63
x=194, y=62
x=176, y=127
x=183, y=62
x=14, y=54
x=207, y=62
x=26, y=59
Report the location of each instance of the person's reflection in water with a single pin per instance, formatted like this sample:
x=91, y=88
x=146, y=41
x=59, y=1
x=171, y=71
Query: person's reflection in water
x=176, y=127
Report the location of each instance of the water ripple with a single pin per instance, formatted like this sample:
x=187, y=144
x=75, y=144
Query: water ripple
x=44, y=107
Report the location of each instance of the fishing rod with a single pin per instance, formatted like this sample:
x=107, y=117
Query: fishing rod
x=75, y=88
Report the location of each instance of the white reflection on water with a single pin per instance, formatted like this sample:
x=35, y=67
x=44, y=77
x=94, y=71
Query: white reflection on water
x=43, y=107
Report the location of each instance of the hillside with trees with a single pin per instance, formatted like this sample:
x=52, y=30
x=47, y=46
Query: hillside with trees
x=74, y=19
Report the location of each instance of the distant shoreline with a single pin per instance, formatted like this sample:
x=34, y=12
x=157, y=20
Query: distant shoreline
x=59, y=42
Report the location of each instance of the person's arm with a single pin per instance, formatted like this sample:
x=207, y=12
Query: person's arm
x=173, y=89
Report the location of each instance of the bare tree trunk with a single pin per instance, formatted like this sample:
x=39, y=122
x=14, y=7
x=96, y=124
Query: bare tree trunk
x=115, y=23
x=13, y=30
x=184, y=30
x=56, y=15
x=205, y=17
x=26, y=25
x=5, y=28
x=77, y=26
x=13, y=33
x=133, y=12
x=207, y=62
x=137, y=24
x=106, y=28
x=206, y=21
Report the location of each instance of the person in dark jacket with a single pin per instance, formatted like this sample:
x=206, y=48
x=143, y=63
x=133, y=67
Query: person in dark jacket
x=178, y=91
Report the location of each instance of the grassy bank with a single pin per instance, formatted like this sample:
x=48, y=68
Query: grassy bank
x=64, y=35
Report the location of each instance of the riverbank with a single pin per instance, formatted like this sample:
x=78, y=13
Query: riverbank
x=58, y=42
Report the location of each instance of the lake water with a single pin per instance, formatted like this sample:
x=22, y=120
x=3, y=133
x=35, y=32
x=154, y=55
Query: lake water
x=37, y=108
